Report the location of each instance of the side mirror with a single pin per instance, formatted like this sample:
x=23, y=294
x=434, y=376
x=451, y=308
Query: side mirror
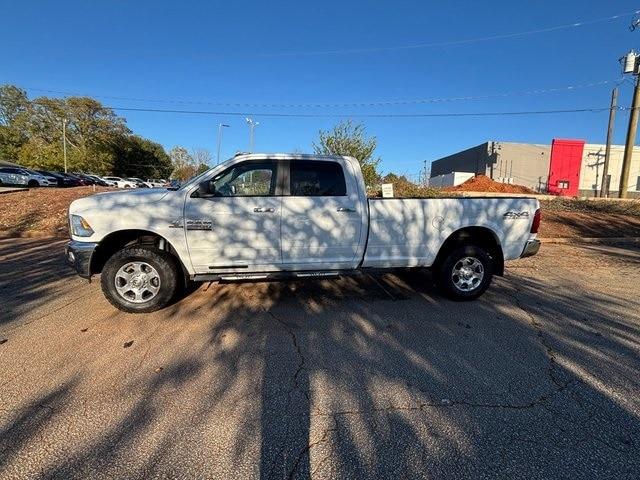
x=206, y=189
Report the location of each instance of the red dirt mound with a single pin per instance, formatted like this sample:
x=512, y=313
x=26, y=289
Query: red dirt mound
x=482, y=183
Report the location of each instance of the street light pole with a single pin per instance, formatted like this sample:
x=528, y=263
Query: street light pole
x=252, y=124
x=64, y=142
x=220, y=127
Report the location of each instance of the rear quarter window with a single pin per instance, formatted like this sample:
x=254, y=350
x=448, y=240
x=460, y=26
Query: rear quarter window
x=310, y=178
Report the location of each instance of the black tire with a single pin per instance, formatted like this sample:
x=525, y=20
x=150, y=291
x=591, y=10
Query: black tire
x=446, y=279
x=164, y=264
x=33, y=184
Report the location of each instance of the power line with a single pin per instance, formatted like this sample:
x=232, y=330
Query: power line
x=566, y=88
x=416, y=46
x=356, y=115
x=580, y=23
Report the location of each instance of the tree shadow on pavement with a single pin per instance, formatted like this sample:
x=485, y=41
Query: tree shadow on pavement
x=29, y=270
x=374, y=377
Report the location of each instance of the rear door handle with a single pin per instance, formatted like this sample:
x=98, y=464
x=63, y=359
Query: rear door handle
x=346, y=209
x=264, y=210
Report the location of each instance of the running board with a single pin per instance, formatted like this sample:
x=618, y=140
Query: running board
x=265, y=276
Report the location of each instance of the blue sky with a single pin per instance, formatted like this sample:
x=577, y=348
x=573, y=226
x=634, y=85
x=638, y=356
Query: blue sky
x=257, y=52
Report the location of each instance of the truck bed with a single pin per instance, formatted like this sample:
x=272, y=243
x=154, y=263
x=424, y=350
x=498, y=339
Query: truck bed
x=408, y=232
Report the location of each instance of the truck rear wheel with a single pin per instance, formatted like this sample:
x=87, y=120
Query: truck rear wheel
x=139, y=279
x=465, y=273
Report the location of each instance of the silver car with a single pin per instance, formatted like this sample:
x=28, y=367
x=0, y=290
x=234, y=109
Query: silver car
x=13, y=176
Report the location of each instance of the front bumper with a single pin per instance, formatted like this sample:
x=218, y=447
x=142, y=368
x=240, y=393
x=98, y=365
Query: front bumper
x=531, y=248
x=78, y=255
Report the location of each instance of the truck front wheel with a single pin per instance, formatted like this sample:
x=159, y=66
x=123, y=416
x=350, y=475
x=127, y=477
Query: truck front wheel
x=140, y=279
x=465, y=273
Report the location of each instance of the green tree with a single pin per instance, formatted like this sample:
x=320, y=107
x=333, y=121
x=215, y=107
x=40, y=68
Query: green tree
x=93, y=132
x=351, y=140
x=98, y=140
x=140, y=157
x=392, y=177
x=14, y=113
x=184, y=166
x=203, y=167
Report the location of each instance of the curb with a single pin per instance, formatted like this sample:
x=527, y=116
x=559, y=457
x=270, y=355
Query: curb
x=591, y=240
x=12, y=190
x=4, y=234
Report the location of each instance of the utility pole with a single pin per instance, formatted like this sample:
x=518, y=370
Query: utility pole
x=425, y=179
x=220, y=127
x=604, y=189
x=64, y=142
x=630, y=66
x=252, y=124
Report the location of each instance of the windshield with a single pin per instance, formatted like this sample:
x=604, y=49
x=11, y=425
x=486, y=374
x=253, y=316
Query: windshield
x=191, y=181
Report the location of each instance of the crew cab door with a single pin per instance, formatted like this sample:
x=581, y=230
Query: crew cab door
x=323, y=216
x=237, y=228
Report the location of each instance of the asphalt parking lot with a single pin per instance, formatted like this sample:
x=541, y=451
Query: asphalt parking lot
x=368, y=377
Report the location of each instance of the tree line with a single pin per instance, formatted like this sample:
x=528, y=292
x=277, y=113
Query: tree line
x=99, y=141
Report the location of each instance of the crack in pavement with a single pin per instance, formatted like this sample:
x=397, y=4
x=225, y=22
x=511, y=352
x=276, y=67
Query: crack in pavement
x=295, y=387
x=307, y=450
x=300, y=355
x=553, y=366
x=550, y=353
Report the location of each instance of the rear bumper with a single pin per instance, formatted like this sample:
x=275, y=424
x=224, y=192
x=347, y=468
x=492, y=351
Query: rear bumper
x=531, y=248
x=78, y=255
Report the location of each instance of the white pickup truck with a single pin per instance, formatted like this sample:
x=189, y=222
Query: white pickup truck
x=272, y=216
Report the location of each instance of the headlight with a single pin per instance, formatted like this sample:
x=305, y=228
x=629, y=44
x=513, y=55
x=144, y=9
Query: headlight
x=80, y=227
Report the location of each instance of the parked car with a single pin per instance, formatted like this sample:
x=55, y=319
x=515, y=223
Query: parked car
x=72, y=179
x=157, y=182
x=11, y=176
x=36, y=179
x=91, y=179
x=86, y=179
x=139, y=182
x=53, y=181
x=108, y=183
x=258, y=217
x=83, y=180
x=120, y=182
x=98, y=180
x=61, y=180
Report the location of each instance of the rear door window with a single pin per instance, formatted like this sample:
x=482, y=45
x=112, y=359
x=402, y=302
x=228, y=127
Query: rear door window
x=311, y=178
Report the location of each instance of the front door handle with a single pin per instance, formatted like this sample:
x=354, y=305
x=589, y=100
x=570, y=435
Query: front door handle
x=346, y=209
x=264, y=210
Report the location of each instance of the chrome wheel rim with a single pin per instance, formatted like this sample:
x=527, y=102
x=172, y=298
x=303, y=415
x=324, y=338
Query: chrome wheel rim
x=137, y=282
x=467, y=274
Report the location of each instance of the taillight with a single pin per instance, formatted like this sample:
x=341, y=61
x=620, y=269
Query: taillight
x=535, y=225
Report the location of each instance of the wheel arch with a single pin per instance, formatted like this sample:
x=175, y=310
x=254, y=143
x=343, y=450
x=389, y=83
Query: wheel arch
x=480, y=236
x=119, y=239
